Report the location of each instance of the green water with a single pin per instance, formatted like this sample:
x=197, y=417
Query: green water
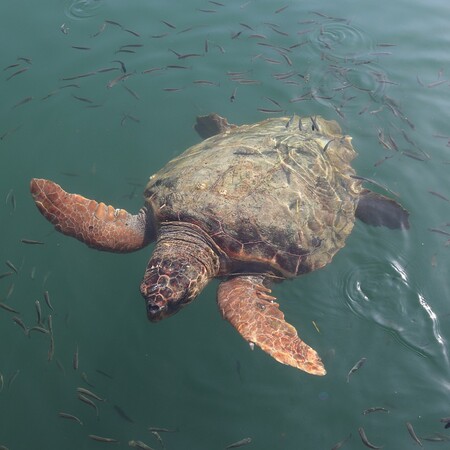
x=381, y=71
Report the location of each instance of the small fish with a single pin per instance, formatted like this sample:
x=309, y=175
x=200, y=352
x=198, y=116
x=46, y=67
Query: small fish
x=176, y=66
x=82, y=75
x=340, y=444
x=27, y=60
x=2, y=382
x=364, y=439
x=22, y=102
x=83, y=99
x=101, y=372
x=290, y=121
x=134, y=33
x=356, y=367
x=281, y=9
x=438, y=437
x=47, y=300
x=315, y=326
x=415, y=155
x=61, y=367
x=112, y=22
x=31, y=242
x=50, y=324
x=168, y=24
x=139, y=444
x=374, y=409
x=132, y=45
x=38, y=312
x=442, y=197
x=129, y=116
x=8, y=308
x=85, y=379
x=437, y=83
x=153, y=69
x=89, y=402
x=327, y=145
x=107, y=69
x=413, y=434
x=51, y=349
x=240, y=443
x=78, y=47
x=369, y=180
x=87, y=392
x=75, y=360
x=64, y=29
x=122, y=65
x=269, y=111
x=437, y=230
x=131, y=92
x=24, y=69
x=11, y=66
x=40, y=329
x=20, y=323
x=10, y=291
x=5, y=274
x=11, y=266
x=206, y=82
x=70, y=417
x=13, y=378
x=103, y=439
x=101, y=30
x=161, y=430
x=233, y=95
x=159, y=438
x=123, y=414
x=113, y=82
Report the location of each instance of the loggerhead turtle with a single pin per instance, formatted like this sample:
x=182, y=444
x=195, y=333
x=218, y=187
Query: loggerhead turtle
x=251, y=205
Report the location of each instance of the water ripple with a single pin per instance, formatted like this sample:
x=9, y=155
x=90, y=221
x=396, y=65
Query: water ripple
x=383, y=293
x=82, y=9
x=341, y=40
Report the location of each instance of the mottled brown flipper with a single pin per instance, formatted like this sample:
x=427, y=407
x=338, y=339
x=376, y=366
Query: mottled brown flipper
x=96, y=224
x=247, y=305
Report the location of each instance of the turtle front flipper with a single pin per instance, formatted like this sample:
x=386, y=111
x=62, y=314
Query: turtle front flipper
x=96, y=224
x=212, y=124
x=245, y=302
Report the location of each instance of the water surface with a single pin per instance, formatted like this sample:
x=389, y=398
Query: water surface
x=381, y=72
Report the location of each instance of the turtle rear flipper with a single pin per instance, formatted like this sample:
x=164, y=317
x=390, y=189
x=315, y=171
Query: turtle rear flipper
x=247, y=305
x=378, y=210
x=96, y=224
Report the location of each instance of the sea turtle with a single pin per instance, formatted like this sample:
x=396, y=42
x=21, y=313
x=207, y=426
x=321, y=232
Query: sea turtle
x=250, y=205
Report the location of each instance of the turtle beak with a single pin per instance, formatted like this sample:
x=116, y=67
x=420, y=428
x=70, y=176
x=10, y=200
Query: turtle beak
x=156, y=312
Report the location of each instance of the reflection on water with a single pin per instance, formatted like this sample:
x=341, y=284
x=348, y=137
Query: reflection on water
x=108, y=99
x=382, y=292
x=83, y=9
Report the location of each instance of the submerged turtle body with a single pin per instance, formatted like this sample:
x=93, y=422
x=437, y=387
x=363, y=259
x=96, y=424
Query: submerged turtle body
x=276, y=195
x=250, y=205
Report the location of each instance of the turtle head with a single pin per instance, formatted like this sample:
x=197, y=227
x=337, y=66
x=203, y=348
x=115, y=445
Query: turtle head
x=177, y=272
